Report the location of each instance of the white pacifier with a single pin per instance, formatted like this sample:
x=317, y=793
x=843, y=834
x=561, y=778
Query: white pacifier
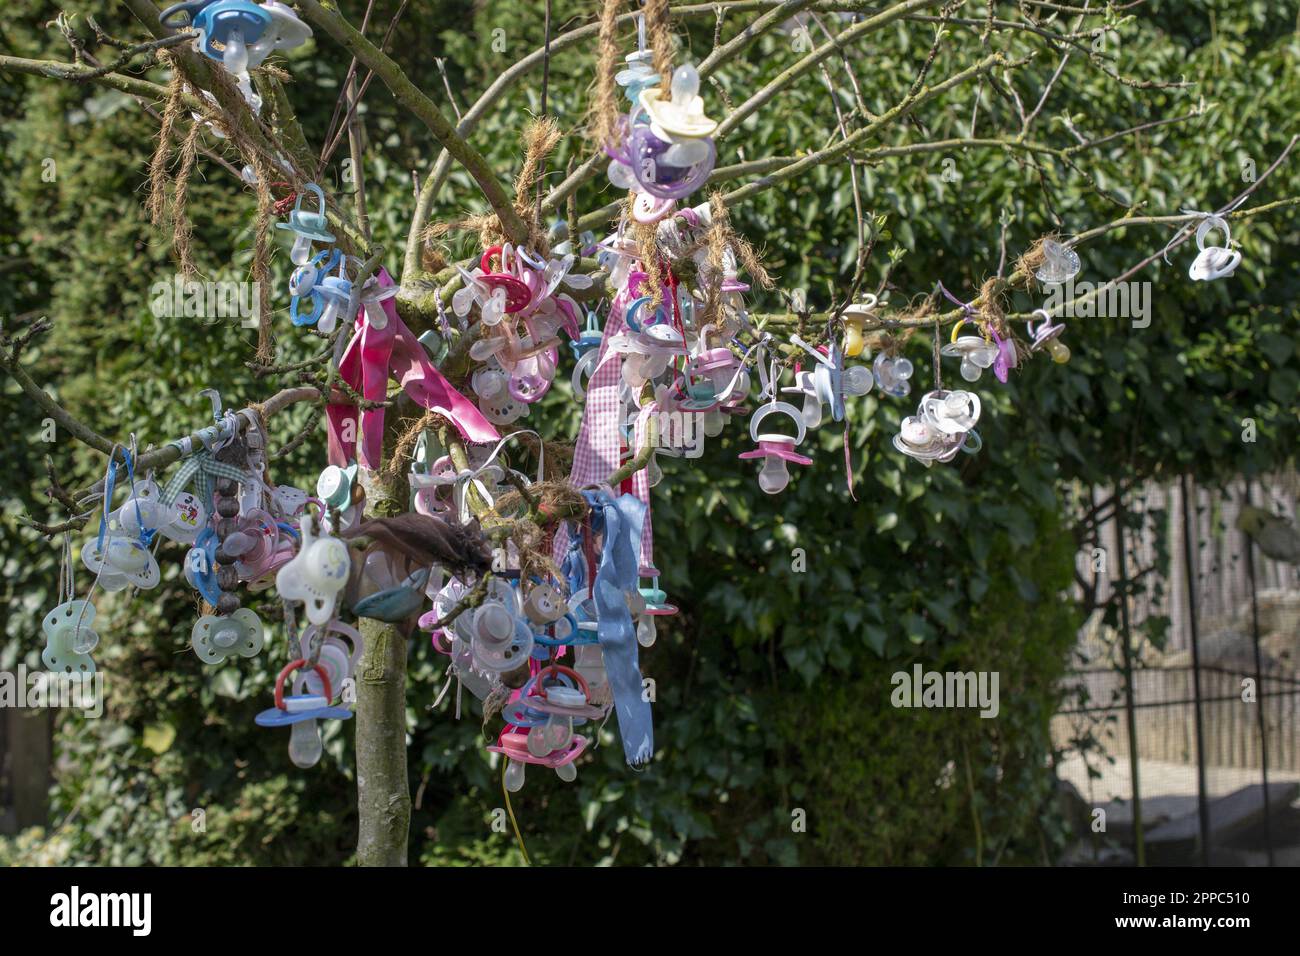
x=1214, y=262
x=317, y=574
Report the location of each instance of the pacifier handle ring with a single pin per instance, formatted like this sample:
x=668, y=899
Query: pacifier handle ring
x=561, y=669
x=1213, y=224
x=169, y=17
x=784, y=407
x=633, y=307
x=486, y=260
x=1047, y=318
x=957, y=328
x=298, y=665
x=320, y=199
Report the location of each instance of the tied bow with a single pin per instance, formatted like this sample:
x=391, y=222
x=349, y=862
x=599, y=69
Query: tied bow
x=373, y=356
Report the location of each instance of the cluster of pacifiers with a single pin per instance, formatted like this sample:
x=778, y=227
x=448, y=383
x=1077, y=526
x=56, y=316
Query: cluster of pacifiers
x=319, y=288
x=943, y=425
x=120, y=557
x=511, y=639
x=540, y=722
x=663, y=148
x=828, y=383
x=523, y=305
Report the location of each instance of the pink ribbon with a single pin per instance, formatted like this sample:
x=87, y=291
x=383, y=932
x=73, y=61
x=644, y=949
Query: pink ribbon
x=372, y=356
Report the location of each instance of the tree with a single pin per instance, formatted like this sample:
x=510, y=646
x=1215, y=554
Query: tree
x=1001, y=59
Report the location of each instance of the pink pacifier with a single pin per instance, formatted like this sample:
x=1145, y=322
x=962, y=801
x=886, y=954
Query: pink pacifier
x=776, y=449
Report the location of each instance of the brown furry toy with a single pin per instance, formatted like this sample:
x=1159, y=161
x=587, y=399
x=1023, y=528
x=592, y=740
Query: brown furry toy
x=427, y=540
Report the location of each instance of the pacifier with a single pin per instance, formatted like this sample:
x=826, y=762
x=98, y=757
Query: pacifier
x=317, y=574
x=142, y=511
x=664, y=168
x=304, y=278
x=335, y=291
x=120, y=561
x=775, y=449
x=975, y=351
x=1214, y=262
x=226, y=28
x=179, y=16
x=257, y=546
x=855, y=316
x=289, y=501
x=216, y=638
x=501, y=641
x=638, y=76
x=950, y=412
x=145, y=511
x=337, y=486
x=396, y=603
x=655, y=604
x=188, y=516
x=917, y=439
x=340, y=651
x=301, y=712
x=648, y=209
x=307, y=225
x=517, y=293
x=1060, y=263
x=892, y=374
x=1048, y=336
x=682, y=114
x=546, y=711
x=502, y=410
x=373, y=296
x=201, y=566
x=828, y=383
x=617, y=254
x=1006, y=359
x=544, y=604
x=69, y=638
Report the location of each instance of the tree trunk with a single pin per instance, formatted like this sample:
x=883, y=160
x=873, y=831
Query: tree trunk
x=383, y=791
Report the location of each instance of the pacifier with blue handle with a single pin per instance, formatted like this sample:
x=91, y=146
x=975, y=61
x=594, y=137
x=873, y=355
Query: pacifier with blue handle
x=181, y=15
x=201, y=566
x=226, y=30
x=336, y=292
x=309, y=226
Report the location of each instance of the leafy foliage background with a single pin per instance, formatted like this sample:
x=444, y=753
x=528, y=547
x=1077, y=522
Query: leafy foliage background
x=773, y=686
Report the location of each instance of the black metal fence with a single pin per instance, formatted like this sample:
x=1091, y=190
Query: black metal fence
x=1178, y=739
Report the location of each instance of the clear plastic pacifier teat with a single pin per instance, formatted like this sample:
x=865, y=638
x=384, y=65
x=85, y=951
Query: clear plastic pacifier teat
x=301, y=712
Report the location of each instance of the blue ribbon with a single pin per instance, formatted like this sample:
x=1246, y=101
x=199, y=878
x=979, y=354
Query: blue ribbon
x=110, y=481
x=621, y=520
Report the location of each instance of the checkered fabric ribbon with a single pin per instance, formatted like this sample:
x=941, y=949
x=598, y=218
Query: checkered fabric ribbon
x=598, y=450
x=200, y=468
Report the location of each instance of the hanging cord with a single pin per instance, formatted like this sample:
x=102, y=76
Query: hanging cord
x=505, y=764
x=938, y=380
